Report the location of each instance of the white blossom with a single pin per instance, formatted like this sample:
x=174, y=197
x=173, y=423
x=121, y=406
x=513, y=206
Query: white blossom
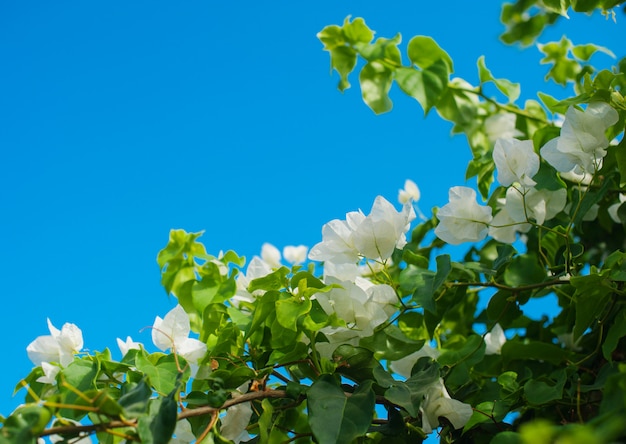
x=236, y=420
x=516, y=161
x=582, y=143
x=60, y=346
x=172, y=332
x=613, y=209
x=462, y=219
x=374, y=236
x=127, y=345
x=537, y=205
x=183, y=433
x=50, y=372
x=494, y=340
x=410, y=193
x=271, y=255
x=295, y=254
x=257, y=268
x=437, y=402
x=404, y=365
x=337, y=245
x=501, y=125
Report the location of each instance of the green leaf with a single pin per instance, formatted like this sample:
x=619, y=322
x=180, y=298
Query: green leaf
x=276, y=280
x=620, y=155
x=375, y=81
x=615, y=333
x=592, y=294
x=81, y=376
x=357, y=31
x=513, y=350
x=134, y=401
x=424, y=52
x=425, y=86
x=158, y=426
x=470, y=351
x=356, y=363
x=544, y=390
x=563, y=68
x=181, y=245
x=162, y=374
x=24, y=424
x=507, y=438
x=584, y=52
x=331, y=36
x=288, y=311
x=490, y=411
x=336, y=418
x=524, y=270
x=343, y=60
x=391, y=343
x=509, y=89
x=458, y=106
x=503, y=308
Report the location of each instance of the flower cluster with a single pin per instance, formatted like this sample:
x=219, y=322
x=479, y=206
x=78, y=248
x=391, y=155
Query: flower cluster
x=54, y=350
x=579, y=149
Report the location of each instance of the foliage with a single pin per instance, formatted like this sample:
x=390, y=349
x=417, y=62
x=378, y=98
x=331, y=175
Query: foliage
x=378, y=335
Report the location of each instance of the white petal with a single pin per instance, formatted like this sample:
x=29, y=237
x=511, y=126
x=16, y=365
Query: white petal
x=494, y=340
x=50, y=372
x=174, y=328
x=43, y=349
x=127, y=345
x=295, y=255
x=235, y=421
x=271, y=255
x=191, y=349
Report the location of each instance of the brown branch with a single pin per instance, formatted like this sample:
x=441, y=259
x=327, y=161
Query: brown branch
x=206, y=410
x=188, y=413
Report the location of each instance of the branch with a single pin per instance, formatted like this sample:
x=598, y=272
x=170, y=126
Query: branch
x=509, y=288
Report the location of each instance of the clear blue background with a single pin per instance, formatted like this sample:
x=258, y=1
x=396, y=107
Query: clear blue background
x=122, y=120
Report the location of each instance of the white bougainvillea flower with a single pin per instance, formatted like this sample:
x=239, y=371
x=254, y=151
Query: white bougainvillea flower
x=257, y=268
x=383, y=230
x=501, y=125
x=50, y=372
x=538, y=205
x=504, y=227
x=347, y=300
x=582, y=143
x=60, y=346
x=183, y=433
x=337, y=336
x=410, y=193
x=172, y=332
x=404, y=365
x=295, y=254
x=127, y=345
x=462, y=219
x=271, y=255
x=613, y=209
x=516, y=161
x=543, y=205
x=374, y=236
x=437, y=402
x=510, y=219
x=237, y=418
x=494, y=340
x=337, y=245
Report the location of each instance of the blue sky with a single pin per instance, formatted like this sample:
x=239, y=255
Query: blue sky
x=122, y=120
